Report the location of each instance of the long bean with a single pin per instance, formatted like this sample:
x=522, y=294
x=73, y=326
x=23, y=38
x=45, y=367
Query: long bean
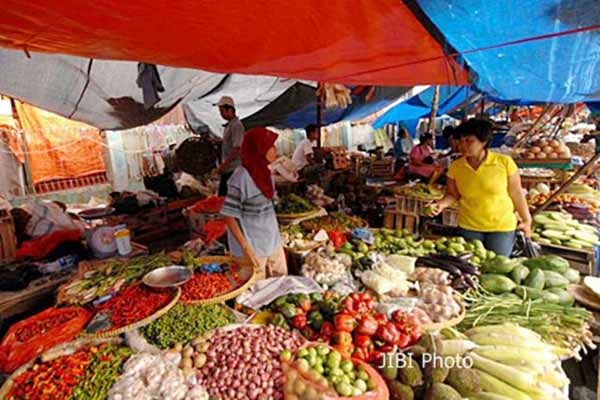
x=564, y=326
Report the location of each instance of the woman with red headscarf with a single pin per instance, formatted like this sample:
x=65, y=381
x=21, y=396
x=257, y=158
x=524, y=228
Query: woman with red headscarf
x=253, y=232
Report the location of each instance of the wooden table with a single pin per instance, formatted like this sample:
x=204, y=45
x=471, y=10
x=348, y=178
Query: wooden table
x=14, y=303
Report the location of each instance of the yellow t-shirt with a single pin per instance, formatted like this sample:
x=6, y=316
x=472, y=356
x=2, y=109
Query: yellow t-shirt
x=485, y=204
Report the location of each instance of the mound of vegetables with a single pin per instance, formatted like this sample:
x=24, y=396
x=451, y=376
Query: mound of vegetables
x=318, y=370
x=336, y=221
x=561, y=325
x=422, y=191
x=244, y=363
x=182, y=323
x=351, y=324
x=86, y=373
x=558, y=228
x=293, y=204
x=493, y=362
x=402, y=242
x=130, y=305
x=545, y=277
x=110, y=278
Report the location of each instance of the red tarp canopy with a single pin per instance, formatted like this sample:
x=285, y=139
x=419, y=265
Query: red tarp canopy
x=346, y=41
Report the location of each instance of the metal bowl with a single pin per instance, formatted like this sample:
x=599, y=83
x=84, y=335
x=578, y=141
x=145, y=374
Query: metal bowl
x=166, y=277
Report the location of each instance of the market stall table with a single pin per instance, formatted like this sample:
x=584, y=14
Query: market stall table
x=14, y=303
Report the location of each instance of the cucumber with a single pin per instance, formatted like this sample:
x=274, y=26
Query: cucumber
x=558, y=227
x=554, y=234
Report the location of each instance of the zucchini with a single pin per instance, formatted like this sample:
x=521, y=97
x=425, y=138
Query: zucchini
x=496, y=284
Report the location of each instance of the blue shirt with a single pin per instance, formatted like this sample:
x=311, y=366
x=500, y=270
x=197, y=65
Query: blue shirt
x=254, y=212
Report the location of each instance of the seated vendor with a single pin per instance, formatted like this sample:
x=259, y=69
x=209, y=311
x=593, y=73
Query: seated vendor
x=422, y=162
x=304, y=154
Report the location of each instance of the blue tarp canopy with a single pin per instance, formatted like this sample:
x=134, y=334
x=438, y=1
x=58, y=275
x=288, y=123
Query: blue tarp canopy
x=532, y=50
x=412, y=110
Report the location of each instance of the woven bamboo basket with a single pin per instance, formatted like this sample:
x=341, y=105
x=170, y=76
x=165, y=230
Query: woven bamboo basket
x=51, y=354
x=135, y=325
x=247, y=274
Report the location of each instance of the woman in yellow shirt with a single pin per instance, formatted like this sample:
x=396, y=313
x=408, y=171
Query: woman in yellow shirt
x=487, y=188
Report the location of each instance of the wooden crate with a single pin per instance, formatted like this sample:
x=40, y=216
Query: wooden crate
x=8, y=237
x=450, y=217
x=381, y=168
x=411, y=205
x=393, y=219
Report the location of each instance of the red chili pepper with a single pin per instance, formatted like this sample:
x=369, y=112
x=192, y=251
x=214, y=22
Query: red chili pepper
x=133, y=304
x=344, y=323
x=362, y=340
x=367, y=326
x=205, y=286
x=388, y=348
x=299, y=321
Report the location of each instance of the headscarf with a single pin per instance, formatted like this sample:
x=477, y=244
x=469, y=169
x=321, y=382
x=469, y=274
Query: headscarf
x=257, y=141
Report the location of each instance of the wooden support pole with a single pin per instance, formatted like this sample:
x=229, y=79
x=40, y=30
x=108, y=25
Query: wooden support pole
x=531, y=130
x=29, y=186
x=434, y=109
x=565, y=185
x=319, y=115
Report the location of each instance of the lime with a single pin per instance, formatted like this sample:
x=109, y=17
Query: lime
x=323, y=350
x=362, y=374
x=347, y=366
x=333, y=359
x=285, y=355
x=302, y=353
x=336, y=372
x=302, y=365
x=361, y=385
x=319, y=368
x=344, y=389
x=356, y=391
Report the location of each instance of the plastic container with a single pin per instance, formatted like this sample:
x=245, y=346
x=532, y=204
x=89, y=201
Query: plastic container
x=123, y=240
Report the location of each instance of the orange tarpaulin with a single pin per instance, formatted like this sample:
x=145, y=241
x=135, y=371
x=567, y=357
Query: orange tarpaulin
x=345, y=41
x=59, y=148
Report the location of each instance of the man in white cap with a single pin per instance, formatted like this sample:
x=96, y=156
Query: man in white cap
x=232, y=142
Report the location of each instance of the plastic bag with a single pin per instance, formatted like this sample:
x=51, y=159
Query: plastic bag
x=266, y=291
x=306, y=385
x=29, y=338
x=47, y=217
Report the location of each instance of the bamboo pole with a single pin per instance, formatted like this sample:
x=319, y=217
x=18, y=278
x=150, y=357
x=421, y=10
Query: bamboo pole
x=565, y=185
x=434, y=109
x=29, y=186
